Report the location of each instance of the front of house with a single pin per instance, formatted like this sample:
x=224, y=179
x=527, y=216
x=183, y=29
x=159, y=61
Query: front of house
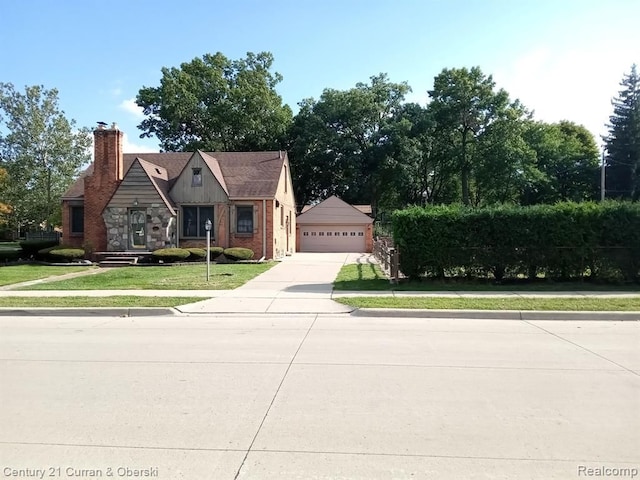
x=142, y=202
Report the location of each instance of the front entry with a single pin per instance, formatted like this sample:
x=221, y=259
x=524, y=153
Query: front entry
x=137, y=229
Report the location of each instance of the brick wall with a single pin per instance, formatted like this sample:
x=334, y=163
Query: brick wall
x=101, y=184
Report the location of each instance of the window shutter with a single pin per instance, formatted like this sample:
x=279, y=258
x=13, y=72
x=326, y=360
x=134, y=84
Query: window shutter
x=232, y=219
x=255, y=219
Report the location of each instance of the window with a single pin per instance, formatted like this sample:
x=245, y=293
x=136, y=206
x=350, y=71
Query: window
x=361, y=234
x=337, y=234
x=313, y=234
x=244, y=219
x=77, y=219
x=344, y=234
x=329, y=234
x=353, y=234
x=196, y=179
x=193, y=220
x=321, y=234
x=282, y=216
x=305, y=234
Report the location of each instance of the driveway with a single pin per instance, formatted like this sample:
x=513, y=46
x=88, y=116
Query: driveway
x=318, y=396
x=301, y=283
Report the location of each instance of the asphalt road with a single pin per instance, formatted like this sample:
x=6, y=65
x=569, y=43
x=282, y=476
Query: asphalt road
x=318, y=397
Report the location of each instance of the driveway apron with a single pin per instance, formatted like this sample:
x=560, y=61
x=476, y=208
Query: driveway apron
x=301, y=283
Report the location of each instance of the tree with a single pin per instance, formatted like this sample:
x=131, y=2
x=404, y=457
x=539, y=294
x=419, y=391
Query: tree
x=464, y=104
x=623, y=141
x=41, y=151
x=566, y=160
x=340, y=143
x=213, y=103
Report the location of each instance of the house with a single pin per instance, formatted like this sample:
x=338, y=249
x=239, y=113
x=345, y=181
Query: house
x=142, y=202
x=334, y=226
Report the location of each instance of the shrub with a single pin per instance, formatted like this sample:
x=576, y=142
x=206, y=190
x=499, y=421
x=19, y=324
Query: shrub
x=30, y=248
x=238, y=253
x=169, y=255
x=215, y=252
x=66, y=253
x=563, y=241
x=196, y=254
x=8, y=255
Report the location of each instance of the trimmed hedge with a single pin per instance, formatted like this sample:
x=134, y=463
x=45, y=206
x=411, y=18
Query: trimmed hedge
x=68, y=253
x=31, y=248
x=238, y=253
x=9, y=255
x=196, y=254
x=215, y=252
x=170, y=255
x=562, y=241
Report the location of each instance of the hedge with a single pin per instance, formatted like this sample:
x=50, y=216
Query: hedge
x=169, y=255
x=60, y=253
x=562, y=241
x=238, y=253
x=31, y=248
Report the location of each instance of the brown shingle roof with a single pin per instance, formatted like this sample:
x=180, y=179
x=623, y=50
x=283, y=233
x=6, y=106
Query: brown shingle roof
x=246, y=174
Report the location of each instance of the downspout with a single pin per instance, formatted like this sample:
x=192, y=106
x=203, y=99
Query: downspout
x=264, y=228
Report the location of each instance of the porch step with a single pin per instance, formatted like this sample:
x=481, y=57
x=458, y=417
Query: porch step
x=119, y=261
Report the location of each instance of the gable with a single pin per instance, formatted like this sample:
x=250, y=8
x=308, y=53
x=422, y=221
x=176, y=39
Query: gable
x=209, y=188
x=142, y=184
x=333, y=211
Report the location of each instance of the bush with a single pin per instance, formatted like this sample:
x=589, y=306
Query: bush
x=30, y=248
x=215, y=252
x=562, y=241
x=66, y=253
x=238, y=253
x=196, y=254
x=169, y=255
x=9, y=255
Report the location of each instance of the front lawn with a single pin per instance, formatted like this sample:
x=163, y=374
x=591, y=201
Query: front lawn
x=24, y=273
x=496, y=303
x=95, y=302
x=367, y=277
x=178, y=277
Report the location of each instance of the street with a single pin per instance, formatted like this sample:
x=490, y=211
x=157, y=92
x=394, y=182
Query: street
x=317, y=396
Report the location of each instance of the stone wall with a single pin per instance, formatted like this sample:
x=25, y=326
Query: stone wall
x=116, y=220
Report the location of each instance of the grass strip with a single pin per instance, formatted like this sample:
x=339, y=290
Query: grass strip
x=368, y=277
x=179, y=277
x=25, y=273
x=112, y=301
x=445, y=303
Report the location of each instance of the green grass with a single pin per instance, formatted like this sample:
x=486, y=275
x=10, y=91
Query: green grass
x=367, y=277
x=9, y=245
x=113, y=301
x=24, y=273
x=183, y=277
x=445, y=303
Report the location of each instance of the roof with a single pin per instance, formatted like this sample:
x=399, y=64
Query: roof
x=244, y=174
x=333, y=211
x=366, y=209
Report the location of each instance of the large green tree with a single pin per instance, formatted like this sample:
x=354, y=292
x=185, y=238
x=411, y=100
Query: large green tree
x=566, y=163
x=214, y=103
x=340, y=143
x=42, y=152
x=464, y=104
x=623, y=141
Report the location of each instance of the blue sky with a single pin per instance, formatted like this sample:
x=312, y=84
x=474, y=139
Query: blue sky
x=563, y=59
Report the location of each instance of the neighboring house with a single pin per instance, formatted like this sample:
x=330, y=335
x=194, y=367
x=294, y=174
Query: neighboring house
x=334, y=226
x=142, y=202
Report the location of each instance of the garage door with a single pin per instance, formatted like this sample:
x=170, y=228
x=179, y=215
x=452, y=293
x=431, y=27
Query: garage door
x=332, y=238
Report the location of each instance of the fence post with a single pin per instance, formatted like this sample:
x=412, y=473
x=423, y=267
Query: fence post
x=393, y=260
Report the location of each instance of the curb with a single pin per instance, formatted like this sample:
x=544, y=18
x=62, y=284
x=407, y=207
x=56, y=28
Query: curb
x=523, y=315
x=86, y=312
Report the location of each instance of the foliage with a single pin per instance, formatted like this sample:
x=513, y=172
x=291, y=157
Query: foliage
x=623, y=141
x=41, y=152
x=216, y=104
x=340, y=144
x=215, y=252
x=66, y=253
x=31, y=248
x=562, y=241
x=7, y=255
x=169, y=255
x=196, y=254
x=238, y=253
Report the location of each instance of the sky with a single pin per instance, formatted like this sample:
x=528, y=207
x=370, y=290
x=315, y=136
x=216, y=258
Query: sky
x=563, y=59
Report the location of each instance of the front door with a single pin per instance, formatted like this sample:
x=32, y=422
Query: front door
x=137, y=229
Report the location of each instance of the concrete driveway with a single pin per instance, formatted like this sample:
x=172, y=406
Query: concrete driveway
x=319, y=396
x=299, y=284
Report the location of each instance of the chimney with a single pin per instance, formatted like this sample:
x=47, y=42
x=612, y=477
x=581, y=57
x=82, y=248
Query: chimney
x=107, y=159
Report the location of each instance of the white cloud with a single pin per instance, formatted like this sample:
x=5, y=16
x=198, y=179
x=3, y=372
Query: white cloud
x=131, y=107
x=575, y=84
x=130, y=147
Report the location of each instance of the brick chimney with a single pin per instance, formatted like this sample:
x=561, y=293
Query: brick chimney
x=99, y=187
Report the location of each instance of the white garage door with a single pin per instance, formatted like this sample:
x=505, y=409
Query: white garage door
x=332, y=238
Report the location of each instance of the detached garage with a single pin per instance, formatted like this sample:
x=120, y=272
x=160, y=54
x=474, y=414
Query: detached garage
x=334, y=226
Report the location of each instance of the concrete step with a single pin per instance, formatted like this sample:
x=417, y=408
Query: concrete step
x=110, y=262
